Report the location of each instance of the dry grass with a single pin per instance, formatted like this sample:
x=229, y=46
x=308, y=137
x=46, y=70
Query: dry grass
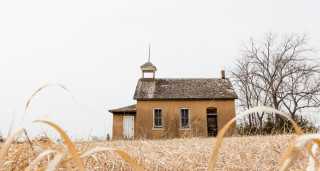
x=236, y=153
x=233, y=153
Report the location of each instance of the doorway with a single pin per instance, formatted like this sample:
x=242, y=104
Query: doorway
x=212, y=122
x=128, y=127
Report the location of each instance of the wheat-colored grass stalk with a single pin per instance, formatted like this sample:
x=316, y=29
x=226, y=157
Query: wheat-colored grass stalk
x=313, y=164
x=303, y=142
x=224, y=130
x=58, y=157
x=67, y=140
x=132, y=162
x=53, y=163
x=59, y=160
x=39, y=158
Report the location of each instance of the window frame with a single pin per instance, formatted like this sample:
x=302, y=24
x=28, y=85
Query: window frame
x=153, y=119
x=185, y=128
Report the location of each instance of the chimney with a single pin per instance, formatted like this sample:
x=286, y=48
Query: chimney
x=223, y=75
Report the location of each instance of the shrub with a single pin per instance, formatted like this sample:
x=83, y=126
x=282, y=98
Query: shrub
x=1, y=138
x=268, y=127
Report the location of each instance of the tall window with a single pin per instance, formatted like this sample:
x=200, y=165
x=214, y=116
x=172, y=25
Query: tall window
x=184, y=118
x=157, y=118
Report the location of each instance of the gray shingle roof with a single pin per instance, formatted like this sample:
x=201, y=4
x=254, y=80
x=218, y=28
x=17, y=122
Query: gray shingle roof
x=126, y=109
x=184, y=89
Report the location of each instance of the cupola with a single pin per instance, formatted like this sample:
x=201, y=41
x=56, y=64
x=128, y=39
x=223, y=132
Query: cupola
x=148, y=67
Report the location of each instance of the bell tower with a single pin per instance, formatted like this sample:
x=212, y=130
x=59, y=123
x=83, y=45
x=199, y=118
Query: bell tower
x=148, y=67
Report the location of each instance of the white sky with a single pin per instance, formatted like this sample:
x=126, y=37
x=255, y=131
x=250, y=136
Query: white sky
x=95, y=49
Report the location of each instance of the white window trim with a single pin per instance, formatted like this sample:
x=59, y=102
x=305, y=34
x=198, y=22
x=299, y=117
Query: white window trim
x=189, y=128
x=158, y=128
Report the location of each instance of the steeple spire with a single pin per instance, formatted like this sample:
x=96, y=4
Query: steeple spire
x=148, y=67
x=149, y=53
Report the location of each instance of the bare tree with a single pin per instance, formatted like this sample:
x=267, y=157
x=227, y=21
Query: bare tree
x=250, y=91
x=281, y=72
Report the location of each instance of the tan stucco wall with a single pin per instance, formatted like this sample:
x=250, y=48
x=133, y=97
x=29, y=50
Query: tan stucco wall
x=143, y=126
x=117, y=129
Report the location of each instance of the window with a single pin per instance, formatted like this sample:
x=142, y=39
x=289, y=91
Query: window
x=157, y=118
x=184, y=118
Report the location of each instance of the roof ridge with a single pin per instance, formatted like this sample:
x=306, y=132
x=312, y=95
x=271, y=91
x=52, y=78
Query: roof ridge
x=184, y=88
x=189, y=78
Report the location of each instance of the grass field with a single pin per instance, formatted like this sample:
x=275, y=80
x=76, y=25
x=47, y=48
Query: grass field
x=236, y=153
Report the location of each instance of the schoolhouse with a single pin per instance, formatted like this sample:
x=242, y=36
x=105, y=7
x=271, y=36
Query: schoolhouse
x=175, y=107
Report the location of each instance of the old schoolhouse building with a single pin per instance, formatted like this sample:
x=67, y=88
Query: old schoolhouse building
x=175, y=107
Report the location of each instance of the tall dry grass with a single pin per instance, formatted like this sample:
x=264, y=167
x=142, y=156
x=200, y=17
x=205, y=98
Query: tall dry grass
x=235, y=153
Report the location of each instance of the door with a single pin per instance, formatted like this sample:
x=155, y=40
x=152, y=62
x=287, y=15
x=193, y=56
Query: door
x=212, y=122
x=128, y=127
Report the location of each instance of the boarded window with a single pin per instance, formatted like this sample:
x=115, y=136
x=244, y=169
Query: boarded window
x=184, y=118
x=157, y=118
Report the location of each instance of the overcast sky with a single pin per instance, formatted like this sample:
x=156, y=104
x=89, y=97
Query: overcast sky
x=95, y=49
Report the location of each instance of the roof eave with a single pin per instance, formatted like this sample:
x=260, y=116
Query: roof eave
x=154, y=99
x=123, y=112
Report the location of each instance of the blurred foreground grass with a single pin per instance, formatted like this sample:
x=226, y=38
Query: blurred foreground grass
x=236, y=153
